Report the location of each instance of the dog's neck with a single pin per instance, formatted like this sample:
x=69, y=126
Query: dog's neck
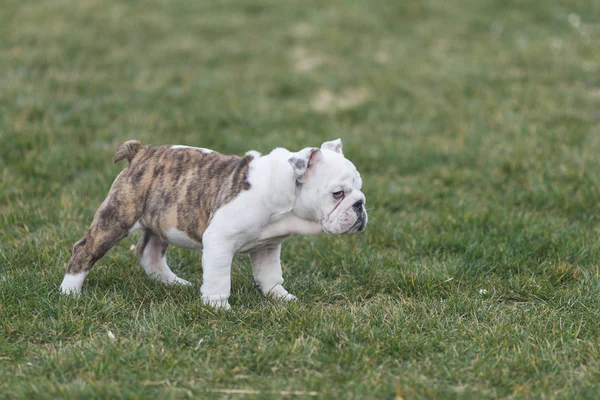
x=282, y=181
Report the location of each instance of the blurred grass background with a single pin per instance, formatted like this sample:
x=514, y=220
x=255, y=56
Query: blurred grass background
x=476, y=128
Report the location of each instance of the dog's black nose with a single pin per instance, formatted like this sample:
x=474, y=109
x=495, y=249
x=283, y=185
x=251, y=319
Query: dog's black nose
x=358, y=205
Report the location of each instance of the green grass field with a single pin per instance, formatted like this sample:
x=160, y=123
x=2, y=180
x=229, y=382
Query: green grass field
x=475, y=125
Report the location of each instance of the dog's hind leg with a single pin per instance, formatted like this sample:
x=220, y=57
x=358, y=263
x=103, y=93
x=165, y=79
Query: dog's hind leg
x=114, y=220
x=151, y=252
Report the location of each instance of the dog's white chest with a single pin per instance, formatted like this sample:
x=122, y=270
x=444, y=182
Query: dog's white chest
x=279, y=228
x=260, y=243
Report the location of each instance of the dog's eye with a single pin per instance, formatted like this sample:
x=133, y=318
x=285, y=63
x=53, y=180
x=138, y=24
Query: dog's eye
x=338, y=195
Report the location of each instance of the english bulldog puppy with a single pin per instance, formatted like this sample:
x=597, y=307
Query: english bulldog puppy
x=222, y=205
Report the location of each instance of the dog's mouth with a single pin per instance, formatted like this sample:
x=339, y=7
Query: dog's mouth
x=362, y=227
x=359, y=226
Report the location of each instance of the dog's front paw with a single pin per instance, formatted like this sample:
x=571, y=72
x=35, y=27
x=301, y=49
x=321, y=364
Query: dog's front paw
x=179, y=281
x=216, y=301
x=168, y=279
x=279, y=293
x=288, y=297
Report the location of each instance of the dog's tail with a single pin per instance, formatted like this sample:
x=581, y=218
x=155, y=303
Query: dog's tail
x=127, y=150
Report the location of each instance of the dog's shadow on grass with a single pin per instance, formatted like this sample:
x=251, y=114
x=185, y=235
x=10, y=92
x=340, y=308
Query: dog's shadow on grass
x=137, y=288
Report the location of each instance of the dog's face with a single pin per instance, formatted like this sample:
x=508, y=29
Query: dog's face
x=330, y=189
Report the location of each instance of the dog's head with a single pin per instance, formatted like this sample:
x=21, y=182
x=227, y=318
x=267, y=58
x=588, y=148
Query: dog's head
x=329, y=189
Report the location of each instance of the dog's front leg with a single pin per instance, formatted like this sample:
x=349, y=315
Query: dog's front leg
x=266, y=267
x=216, y=272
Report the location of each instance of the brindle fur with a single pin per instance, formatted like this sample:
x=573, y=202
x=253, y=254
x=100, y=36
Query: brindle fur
x=143, y=192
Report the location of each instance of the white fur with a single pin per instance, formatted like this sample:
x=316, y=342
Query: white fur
x=180, y=239
x=155, y=263
x=202, y=149
x=135, y=227
x=71, y=284
x=253, y=153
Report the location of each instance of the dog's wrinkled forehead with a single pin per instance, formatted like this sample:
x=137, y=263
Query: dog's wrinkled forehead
x=339, y=168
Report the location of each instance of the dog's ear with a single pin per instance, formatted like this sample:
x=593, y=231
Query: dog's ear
x=304, y=161
x=333, y=145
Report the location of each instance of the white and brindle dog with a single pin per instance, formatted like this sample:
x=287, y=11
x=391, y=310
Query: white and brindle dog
x=199, y=199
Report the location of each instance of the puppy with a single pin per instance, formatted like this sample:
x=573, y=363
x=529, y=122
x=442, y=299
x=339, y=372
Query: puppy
x=199, y=199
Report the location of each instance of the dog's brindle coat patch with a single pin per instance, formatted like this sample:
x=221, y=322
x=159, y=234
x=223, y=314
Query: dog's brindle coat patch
x=142, y=192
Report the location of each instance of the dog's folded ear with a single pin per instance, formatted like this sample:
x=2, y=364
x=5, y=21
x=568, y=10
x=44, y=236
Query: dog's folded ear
x=333, y=145
x=304, y=161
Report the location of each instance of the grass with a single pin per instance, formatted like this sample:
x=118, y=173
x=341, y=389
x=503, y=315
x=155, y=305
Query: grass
x=475, y=125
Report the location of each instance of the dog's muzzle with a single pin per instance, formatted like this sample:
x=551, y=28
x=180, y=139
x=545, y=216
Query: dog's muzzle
x=361, y=220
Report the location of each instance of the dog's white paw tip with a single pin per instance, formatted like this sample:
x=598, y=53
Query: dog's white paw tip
x=218, y=303
x=220, y=306
x=71, y=284
x=288, y=297
x=279, y=293
x=69, y=291
x=179, y=281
